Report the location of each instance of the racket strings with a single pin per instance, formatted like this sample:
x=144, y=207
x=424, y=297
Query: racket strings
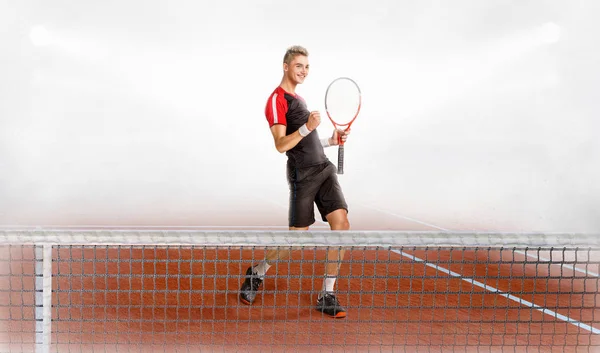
x=342, y=101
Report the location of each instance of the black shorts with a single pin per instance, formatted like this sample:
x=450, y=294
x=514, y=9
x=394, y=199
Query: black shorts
x=316, y=184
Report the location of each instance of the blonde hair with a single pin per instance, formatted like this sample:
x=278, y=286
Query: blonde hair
x=292, y=52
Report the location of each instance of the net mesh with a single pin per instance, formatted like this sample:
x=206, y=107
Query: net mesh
x=178, y=291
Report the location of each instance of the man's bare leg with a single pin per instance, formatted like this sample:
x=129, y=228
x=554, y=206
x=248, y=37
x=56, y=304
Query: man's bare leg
x=280, y=254
x=255, y=275
x=327, y=302
x=338, y=220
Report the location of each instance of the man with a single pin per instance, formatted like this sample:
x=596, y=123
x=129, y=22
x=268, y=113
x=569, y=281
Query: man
x=311, y=177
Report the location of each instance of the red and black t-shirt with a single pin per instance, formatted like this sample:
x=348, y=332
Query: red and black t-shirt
x=290, y=110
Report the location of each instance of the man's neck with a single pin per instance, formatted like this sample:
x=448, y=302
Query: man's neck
x=288, y=86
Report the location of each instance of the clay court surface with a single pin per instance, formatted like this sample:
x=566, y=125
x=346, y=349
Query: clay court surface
x=181, y=298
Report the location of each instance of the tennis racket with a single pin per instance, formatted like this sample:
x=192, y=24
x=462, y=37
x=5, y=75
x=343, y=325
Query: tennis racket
x=342, y=104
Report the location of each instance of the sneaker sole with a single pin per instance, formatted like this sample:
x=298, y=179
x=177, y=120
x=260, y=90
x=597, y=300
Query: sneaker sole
x=245, y=301
x=340, y=315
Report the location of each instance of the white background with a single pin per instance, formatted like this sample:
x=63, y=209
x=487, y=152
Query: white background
x=476, y=114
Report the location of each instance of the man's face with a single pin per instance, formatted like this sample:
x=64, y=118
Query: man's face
x=297, y=70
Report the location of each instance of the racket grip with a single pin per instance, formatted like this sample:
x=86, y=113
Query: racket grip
x=340, y=159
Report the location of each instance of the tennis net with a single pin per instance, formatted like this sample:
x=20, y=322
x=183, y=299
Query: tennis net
x=175, y=290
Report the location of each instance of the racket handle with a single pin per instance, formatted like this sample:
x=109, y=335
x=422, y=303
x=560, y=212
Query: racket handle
x=340, y=159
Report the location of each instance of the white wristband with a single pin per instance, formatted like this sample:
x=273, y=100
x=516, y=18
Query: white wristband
x=303, y=130
x=325, y=142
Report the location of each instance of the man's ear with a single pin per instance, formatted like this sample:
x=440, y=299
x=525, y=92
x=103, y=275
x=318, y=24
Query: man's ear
x=285, y=67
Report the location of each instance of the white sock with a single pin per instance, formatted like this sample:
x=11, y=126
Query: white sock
x=262, y=268
x=328, y=285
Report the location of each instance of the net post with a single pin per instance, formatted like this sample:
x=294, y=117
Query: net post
x=43, y=297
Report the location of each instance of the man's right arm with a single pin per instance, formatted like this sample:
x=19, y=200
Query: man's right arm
x=284, y=143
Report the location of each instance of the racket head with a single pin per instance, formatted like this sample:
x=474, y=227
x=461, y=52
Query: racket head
x=343, y=100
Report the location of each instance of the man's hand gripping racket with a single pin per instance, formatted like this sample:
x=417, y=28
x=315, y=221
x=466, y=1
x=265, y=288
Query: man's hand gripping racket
x=342, y=104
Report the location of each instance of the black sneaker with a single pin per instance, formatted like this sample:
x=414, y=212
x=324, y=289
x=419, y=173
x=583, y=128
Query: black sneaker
x=328, y=304
x=250, y=286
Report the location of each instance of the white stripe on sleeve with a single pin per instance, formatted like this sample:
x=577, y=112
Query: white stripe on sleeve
x=274, y=107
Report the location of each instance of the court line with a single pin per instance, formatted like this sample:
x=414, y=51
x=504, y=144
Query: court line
x=503, y=294
x=482, y=285
x=406, y=218
x=572, y=268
